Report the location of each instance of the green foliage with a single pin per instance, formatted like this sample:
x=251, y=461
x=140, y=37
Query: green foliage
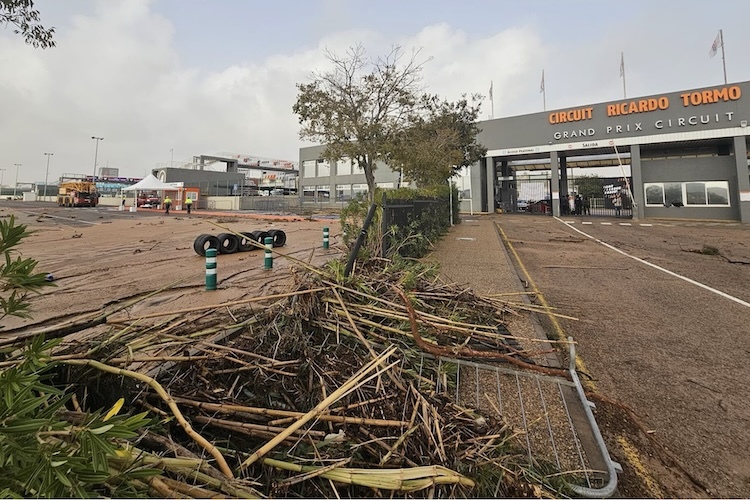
x=17, y=276
x=22, y=15
x=589, y=186
x=42, y=454
x=357, y=113
x=410, y=235
x=440, y=141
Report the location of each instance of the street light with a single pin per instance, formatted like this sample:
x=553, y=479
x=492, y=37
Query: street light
x=96, y=153
x=2, y=173
x=15, y=186
x=46, y=176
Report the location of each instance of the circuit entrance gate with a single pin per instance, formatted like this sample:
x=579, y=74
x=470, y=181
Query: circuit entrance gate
x=599, y=196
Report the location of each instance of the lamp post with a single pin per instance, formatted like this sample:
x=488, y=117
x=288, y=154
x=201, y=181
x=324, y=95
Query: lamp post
x=171, y=158
x=2, y=173
x=46, y=176
x=96, y=154
x=15, y=186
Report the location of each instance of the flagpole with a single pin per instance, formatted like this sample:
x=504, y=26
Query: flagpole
x=622, y=69
x=544, y=93
x=723, y=60
x=492, y=98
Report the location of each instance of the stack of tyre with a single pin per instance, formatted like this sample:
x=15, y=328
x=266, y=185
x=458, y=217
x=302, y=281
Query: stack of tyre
x=227, y=243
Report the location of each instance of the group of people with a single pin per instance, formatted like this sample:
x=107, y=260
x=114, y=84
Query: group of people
x=168, y=204
x=576, y=205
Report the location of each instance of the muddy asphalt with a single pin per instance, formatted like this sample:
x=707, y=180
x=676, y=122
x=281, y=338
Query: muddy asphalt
x=673, y=352
x=652, y=339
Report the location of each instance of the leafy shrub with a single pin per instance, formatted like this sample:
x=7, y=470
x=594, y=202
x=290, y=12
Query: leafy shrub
x=417, y=218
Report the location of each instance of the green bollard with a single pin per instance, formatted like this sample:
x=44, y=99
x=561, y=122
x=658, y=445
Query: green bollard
x=268, y=258
x=211, y=269
x=325, y=238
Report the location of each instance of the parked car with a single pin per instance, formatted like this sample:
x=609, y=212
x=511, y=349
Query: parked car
x=522, y=205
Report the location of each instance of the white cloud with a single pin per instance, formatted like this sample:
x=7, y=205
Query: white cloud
x=117, y=73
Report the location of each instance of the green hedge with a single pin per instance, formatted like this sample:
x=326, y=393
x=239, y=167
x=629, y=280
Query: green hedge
x=410, y=232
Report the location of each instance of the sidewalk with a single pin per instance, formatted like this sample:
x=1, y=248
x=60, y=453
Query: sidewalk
x=473, y=253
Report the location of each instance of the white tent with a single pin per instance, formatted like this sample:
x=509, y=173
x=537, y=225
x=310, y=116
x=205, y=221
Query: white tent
x=151, y=183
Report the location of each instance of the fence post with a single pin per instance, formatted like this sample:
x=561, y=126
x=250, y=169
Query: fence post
x=384, y=226
x=268, y=258
x=325, y=238
x=211, y=269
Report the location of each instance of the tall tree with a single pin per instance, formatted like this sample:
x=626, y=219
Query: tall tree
x=22, y=15
x=441, y=141
x=359, y=107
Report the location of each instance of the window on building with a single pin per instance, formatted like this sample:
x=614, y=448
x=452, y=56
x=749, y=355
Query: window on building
x=324, y=193
x=356, y=169
x=343, y=192
x=718, y=193
x=359, y=189
x=324, y=168
x=308, y=193
x=694, y=194
x=654, y=194
x=308, y=169
x=673, y=193
x=344, y=166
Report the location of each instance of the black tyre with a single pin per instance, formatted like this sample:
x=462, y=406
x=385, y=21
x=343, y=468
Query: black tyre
x=279, y=237
x=204, y=242
x=245, y=245
x=260, y=236
x=228, y=242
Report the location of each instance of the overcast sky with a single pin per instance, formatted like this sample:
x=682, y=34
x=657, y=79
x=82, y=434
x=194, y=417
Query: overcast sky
x=209, y=76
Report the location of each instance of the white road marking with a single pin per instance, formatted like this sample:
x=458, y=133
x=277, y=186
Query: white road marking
x=625, y=224
x=586, y=223
x=671, y=273
x=647, y=225
x=466, y=239
x=606, y=223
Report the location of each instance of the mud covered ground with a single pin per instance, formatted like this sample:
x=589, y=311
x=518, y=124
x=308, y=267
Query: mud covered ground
x=671, y=347
x=101, y=256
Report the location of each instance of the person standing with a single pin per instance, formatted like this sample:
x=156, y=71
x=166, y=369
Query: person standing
x=586, y=205
x=571, y=204
x=167, y=204
x=188, y=204
x=617, y=202
x=579, y=204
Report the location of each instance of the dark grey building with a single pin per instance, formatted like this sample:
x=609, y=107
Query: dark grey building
x=210, y=183
x=687, y=152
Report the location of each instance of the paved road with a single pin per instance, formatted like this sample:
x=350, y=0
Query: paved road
x=671, y=349
x=79, y=216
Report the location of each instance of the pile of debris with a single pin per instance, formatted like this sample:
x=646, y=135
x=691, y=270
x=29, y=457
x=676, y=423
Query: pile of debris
x=333, y=389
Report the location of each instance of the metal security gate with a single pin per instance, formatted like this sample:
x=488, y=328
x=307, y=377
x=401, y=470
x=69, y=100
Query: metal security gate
x=586, y=196
x=550, y=415
x=598, y=196
x=533, y=196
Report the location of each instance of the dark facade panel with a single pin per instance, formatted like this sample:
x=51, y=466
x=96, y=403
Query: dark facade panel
x=704, y=109
x=687, y=170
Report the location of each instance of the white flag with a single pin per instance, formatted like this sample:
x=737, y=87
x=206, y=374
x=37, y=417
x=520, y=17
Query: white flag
x=715, y=46
x=541, y=87
x=491, y=90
